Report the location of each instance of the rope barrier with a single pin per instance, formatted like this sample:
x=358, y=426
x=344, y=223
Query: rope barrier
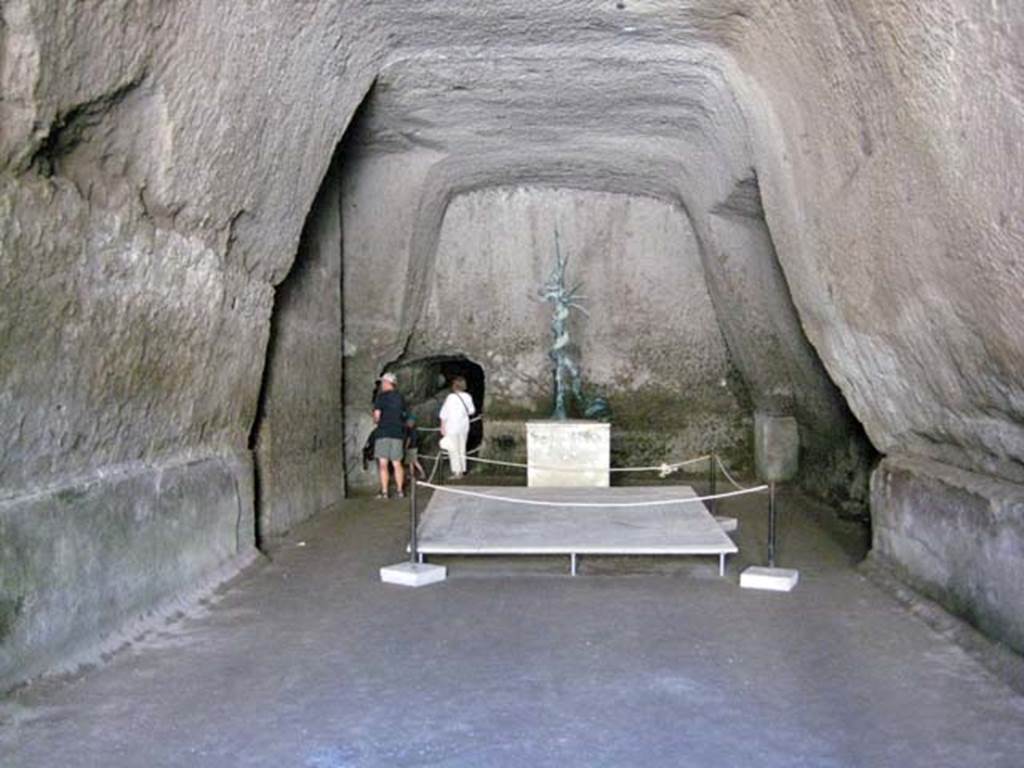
x=438, y=429
x=437, y=463
x=663, y=469
x=591, y=504
x=436, y=458
x=725, y=472
x=444, y=453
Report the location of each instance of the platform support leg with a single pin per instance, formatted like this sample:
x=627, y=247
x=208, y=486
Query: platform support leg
x=421, y=558
x=414, y=554
x=721, y=564
x=572, y=563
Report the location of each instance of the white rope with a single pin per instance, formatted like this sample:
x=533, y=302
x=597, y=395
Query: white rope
x=595, y=504
x=437, y=463
x=444, y=454
x=664, y=470
x=436, y=458
x=728, y=477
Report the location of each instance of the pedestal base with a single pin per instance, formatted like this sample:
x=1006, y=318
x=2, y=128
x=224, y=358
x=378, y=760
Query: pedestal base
x=568, y=453
x=729, y=524
x=772, y=579
x=413, y=574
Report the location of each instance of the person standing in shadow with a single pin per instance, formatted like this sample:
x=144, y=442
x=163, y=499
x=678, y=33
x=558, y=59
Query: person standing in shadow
x=388, y=447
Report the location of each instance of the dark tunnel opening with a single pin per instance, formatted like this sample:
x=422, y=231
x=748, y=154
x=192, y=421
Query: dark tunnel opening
x=425, y=382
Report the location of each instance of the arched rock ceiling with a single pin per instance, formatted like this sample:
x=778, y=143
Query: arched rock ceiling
x=579, y=98
x=615, y=109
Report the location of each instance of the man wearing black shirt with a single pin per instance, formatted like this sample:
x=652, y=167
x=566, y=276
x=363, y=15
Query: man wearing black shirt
x=389, y=416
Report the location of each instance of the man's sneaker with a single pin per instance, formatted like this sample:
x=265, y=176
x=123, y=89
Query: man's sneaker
x=400, y=495
x=381, y=496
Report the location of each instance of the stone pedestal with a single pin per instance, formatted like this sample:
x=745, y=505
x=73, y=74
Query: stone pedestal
x=568, y=453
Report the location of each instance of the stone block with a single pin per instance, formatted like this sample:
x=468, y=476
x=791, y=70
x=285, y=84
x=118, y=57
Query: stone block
x=568, y=453
x=82, y=561
x=413, y=574
x=956, y=536
x=776, y=447
x=769, y=579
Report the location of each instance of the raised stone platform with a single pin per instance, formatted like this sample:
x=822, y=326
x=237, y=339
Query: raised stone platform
x=458, y=524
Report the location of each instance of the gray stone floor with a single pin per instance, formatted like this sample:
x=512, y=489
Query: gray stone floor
x=308, y=660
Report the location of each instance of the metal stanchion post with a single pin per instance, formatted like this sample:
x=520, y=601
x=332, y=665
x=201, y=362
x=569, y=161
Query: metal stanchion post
x=776, y=455
x=711, y=482
x=413, y=553
x=413, y=573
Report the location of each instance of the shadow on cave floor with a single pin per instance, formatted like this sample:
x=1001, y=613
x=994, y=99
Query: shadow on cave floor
x=309, y=660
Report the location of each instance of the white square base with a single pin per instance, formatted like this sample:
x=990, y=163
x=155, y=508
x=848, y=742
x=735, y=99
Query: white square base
x=773, y=579
x=729, y=524
x=413, y=574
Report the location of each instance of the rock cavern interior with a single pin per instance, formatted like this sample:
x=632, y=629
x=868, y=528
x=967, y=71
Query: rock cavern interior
x=222, y=222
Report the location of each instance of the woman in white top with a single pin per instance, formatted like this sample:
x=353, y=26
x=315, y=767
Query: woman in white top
x=455, y=413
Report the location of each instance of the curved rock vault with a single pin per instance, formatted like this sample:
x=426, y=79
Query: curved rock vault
x=212, y=213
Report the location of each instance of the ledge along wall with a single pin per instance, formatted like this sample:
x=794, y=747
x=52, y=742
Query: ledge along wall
x=957, y=536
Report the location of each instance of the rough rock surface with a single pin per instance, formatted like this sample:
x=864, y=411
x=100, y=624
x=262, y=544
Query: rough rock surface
x=89, y=558
x=851, y=173
x=298, y=431
x=650, y=323
x=956, y=535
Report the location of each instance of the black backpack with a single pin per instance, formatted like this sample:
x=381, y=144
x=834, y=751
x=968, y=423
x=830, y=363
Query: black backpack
x=368, y=449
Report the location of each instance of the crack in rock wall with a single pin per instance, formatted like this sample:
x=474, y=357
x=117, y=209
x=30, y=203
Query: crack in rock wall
x=298, y=434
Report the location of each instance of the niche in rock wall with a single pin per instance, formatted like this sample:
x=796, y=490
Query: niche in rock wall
x=426, y=381
x=650, y=344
